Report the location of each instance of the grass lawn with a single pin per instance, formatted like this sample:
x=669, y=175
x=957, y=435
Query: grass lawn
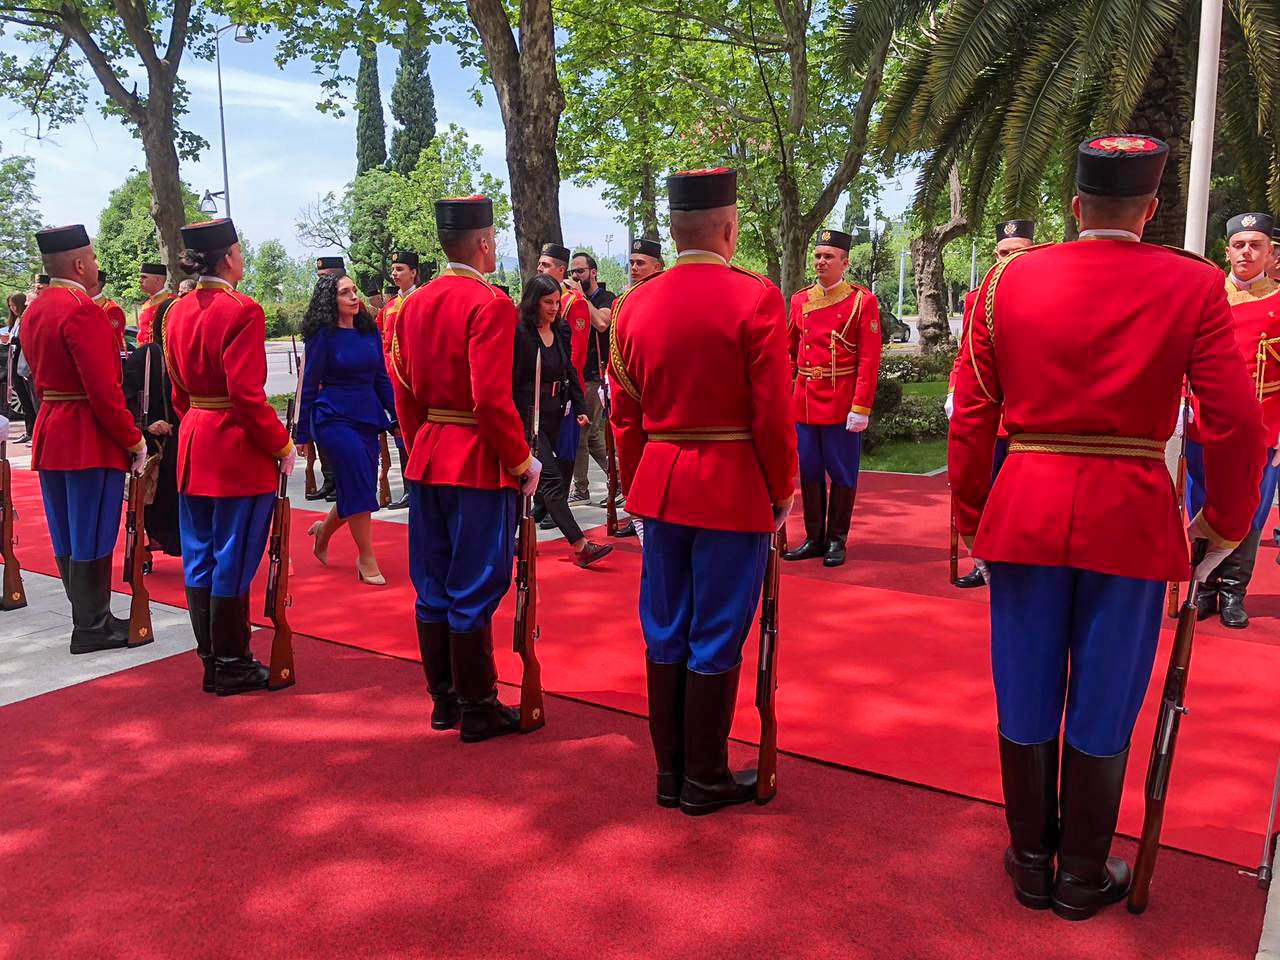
x=907, y=456
x=280, y=401
x=931, y=388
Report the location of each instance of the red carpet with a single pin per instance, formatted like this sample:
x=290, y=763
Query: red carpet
x=884, y=666
x=141, y=819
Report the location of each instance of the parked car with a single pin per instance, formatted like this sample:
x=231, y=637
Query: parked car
x=891, y=328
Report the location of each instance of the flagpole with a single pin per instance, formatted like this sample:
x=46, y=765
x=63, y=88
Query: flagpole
x=1202, y=125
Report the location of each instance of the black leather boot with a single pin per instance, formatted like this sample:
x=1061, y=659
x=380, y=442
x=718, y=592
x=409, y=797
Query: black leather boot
x=709, y=784
x=814, y=498
x=433, y=645
x=666, y=727
x=970, y=580
x=198, y=608
x=1206, y=601
x=1234, y=575
x=64, y=572
x=839, y=514
x=93, y=627
x=475, y=676
x=403, y=502
x=1088, y=879
x=1029, y=773
x=235, y=670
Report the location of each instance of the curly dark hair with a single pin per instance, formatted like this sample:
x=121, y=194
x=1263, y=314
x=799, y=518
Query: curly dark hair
x=203, y=262
x=535, y=288
x=322, y=311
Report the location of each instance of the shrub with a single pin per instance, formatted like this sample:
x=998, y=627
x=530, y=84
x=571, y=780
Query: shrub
x=912, y=418
x=284, y=319
x=916, y=367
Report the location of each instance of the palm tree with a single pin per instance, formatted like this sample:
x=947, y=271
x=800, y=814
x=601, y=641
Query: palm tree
x=1005, y=89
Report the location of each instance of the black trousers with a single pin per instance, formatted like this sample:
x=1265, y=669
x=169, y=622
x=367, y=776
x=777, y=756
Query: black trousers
x=553, y=486
x=27, y=400
x=161, y=518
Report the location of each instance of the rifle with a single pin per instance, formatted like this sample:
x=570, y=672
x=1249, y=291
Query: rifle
x=15, y=596
x=955, y=550
x=309, y=474
x=135, y=552
x=1172, y=707
x=767, y=673
x=278, y=599
x=610, y=451
x=526, y=624
x=384, y=474
x=1181, y=490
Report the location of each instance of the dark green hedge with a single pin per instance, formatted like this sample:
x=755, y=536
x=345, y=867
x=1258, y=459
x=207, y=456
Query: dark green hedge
x=915, y=367
x=911, y=417
x=284, y=319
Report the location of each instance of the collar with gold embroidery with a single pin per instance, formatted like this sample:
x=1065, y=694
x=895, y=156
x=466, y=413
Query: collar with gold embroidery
x=68, y=284
x=455, y=269
x=700, y=256
x=1262, y=288
x=819, y=298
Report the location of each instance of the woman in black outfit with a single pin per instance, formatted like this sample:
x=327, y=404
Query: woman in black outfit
x=541, y=331
x=20, y=385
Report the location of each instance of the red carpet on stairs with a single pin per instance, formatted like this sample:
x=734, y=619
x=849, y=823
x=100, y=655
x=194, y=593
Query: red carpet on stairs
x=143, y=820
x=883, y=665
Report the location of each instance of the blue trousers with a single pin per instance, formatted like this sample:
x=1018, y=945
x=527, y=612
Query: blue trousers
x=222, y=541
x=461, y=548
x=83, y=510
x=1067, y=637
x=828, y=449
x=1195, y=484
x=698, y=593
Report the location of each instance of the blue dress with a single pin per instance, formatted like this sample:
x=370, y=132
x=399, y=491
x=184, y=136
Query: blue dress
x=346, y=402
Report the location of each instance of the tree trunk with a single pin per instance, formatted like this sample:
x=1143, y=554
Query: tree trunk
x=648, y=201
x=167, y=208
x=934, y=322
x=1159, y=113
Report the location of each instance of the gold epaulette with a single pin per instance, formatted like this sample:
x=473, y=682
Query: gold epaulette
x=615, y=349
x=751, y=273
x=1190, y=254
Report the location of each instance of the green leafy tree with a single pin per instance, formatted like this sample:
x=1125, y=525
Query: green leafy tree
x=272, y=276
x=19, y=221
x=371, y=127
x=126, y=236
x=413, y=106
x=133, y=51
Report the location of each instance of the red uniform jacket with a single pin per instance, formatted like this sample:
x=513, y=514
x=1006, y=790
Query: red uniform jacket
x=702, y=323
x=1081, y=342
x=1254, y=312
x=386, y=318
x=147, y=315
x=230, y=437
x=961, y=357
x=83, y=422
x=577, y=314
x=115, y=314
x=451, y=360
x=835, y=345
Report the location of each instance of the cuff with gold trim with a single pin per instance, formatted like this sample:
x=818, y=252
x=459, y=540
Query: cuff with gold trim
x=521, y=470
x=284, y=451
x=865, y=411
x=783, y=504
x=1215, y=539
x=139, y=446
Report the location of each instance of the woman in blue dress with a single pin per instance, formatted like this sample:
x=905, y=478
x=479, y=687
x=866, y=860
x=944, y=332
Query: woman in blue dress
x=346, y=403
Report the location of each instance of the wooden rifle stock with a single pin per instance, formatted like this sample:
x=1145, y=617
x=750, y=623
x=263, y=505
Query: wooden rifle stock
x=278, y=598
x=525, y=639
x=15, y=595
x=309, y=473
x=767, y=673
x=955, y=551
x=135, y=551
x=1182, y=511
x=1160, y=766
x=611, y=461
x=384, y=474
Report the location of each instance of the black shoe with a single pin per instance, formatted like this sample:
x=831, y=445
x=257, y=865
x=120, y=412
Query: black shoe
x=1231, y=611
x=1206, y=603
x=475, y=677
x=401, y=504
x=839, y=513
x=592, y=552
x=547, y=523
x=1088, y=879
x=433, y=645
x=627, y=529
x=1029, y=775
x=325, y=491
x=580, y=496
x=488, y=719
x=93, y=627
x=25, y=438
x=709, y=784
x=198, y=609
x=970, y=580
x=666, y=685
x=234, y=669
x=814, y=498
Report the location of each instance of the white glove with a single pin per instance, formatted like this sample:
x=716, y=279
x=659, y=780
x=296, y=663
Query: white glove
x=529, y=482
x=4, y=428
x=289, y=461
x=1184, y=416
x=639, y=525
x=1213, y=556
x=138, y=460
x=856, y=422
x=949, y=405
x=781, y=513
x=603, y=394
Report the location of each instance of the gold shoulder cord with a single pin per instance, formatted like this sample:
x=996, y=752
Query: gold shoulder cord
x=395, y=353
x=619, y=366
x=1266, y=351
x=989, y=308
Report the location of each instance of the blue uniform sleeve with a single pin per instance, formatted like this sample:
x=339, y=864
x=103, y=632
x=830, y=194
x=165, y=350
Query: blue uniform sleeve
x=314, y=360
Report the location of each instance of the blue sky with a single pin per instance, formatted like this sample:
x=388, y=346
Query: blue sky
x=282, y=152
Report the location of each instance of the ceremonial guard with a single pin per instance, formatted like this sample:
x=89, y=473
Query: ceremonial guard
x=704, y=557
x=113, y=310
x=152, y=278
x=452, y=345
x=405, y=268
x=330, y=266
x=231, y=449
x=645, y=259
x=1081, y=531
x=834, y=333
x=84, y=439
x=1011, y=236
x=1254, y=303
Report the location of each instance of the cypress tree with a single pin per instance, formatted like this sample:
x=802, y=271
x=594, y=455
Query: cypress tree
x=413, y=105
x=371, y=128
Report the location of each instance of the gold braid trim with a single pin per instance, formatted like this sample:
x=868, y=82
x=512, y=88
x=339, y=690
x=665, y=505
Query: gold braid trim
x=1087, y=444
x=615, y=348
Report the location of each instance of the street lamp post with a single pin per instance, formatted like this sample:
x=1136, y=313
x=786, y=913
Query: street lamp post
x=1202, y=125
x=242, y=36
